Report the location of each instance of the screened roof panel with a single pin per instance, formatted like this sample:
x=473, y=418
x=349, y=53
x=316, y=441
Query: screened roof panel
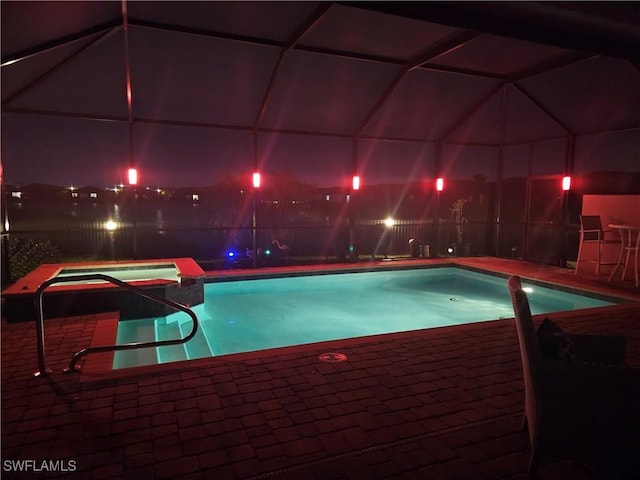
x=351, y=29
x=91, y=83
x=526, y=121
x=268, y=20
x=18, y=75
x=491, y=54
x=325, y=93
x=483, y=126
x=426, y=104
x=29, y=24
x=589, y=94
x=177, y=76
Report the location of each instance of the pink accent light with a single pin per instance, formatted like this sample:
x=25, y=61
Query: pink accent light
x=440, y=184
x=133, y=176
x=356, y=182
x=256, y=180
x=566, y=183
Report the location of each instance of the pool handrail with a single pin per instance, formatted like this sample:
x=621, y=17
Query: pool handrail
x=44, y=371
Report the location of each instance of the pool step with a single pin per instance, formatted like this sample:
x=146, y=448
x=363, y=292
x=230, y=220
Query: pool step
x=135, y=331
x=198, y=346
x=169, y=330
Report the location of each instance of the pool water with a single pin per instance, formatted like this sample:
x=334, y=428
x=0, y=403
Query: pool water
x=126, y=274
x=249, y=315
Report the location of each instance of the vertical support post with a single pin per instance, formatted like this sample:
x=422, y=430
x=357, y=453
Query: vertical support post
x=436, y=214
x=42, y=371
x=129, y=96
x=497, y=208
x=570, y=159
x=254, y=192
x=497, y=230
x=134, y=217
x=4, y=228
x=527, y=202
x=350, y=207
x=254, y=229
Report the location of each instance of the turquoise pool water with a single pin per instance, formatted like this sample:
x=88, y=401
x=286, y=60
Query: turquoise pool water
x=249, y=315
x=124, y=273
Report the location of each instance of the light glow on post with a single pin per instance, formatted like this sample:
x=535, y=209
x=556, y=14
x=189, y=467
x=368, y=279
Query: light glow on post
x=256, y=180
x=566, y=183
x=355, y=184
x=133, y=176
x=439, y=184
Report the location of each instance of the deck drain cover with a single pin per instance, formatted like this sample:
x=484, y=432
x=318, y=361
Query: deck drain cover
x=332, y=357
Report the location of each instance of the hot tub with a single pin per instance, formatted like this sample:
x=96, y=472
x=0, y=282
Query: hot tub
x=178, y=279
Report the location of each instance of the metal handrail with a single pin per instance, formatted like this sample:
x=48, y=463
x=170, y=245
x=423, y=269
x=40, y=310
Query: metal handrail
x=43, y=370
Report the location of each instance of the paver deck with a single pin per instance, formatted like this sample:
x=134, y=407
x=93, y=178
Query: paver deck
x=444, y=403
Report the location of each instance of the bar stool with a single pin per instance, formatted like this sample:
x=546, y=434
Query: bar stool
x=591, y=232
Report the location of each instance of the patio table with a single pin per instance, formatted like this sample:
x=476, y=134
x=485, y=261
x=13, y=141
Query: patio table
x=629, y=243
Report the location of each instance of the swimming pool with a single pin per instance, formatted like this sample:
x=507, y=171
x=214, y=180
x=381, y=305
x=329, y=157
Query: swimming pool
x=250, y=315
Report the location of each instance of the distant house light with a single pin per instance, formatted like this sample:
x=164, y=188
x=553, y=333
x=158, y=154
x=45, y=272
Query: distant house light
x=356, y=182
x=16, y=194
x=327, y=197
x=74, y=194
x=133, y=176
x=195, y=197
x=93, y=195
x=440, y=184
x=566, y=183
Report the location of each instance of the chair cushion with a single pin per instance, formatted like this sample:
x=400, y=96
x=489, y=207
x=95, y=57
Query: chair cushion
x=554, y=342
x=599, y=349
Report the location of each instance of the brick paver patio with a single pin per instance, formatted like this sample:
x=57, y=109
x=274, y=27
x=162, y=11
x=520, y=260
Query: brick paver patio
x=435, y=404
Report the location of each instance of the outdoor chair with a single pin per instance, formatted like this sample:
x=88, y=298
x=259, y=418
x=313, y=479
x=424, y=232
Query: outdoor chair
x=591, y=232
x=584, y=412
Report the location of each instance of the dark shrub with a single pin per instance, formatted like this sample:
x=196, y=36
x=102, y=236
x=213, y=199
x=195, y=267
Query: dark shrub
x=26, y=254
